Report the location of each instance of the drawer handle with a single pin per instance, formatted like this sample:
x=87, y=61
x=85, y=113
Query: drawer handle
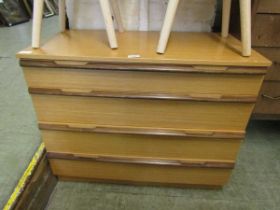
x=71, y=63
x=271, y=97
x=211, y=68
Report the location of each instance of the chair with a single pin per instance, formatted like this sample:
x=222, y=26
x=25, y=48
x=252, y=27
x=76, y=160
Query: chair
x=106, y=11
x=245, y=13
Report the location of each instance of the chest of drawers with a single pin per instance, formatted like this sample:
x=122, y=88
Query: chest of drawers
x=133, y=116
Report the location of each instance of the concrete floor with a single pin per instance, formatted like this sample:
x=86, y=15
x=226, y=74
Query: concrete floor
x=255, y=183
x=19, y=136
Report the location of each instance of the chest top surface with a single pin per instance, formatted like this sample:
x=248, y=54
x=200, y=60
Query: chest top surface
x=199, y=49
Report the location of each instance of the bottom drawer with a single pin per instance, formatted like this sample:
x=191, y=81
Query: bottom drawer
x=140, y=173
x=269, y=99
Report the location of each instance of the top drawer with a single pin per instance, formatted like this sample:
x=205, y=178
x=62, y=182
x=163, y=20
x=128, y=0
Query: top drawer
x=143, y=84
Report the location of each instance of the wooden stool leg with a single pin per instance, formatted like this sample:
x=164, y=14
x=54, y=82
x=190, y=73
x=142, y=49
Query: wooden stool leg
x=167, y=25
x=226, y=17
x=37, y=23
x=245, y=13
x=62, y=15
x=117, y=14
x=106, y=11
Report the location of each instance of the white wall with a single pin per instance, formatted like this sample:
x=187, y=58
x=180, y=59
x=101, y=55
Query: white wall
x=193, y=15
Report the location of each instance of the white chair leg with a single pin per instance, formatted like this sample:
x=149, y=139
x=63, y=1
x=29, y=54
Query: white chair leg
x=106, y=11
x=245, y=13
x=117, y=14
x=37, y=23
x=62, y=15
x=167, y=25
x=226, y=17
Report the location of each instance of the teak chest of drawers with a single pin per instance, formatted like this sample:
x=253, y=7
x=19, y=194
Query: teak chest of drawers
x=174, y=119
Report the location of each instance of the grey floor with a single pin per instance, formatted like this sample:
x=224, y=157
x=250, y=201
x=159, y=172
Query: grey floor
x=19, y=136
x=255, y=183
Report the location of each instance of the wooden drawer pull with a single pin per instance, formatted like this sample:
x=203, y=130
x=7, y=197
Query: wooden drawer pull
x=143, y=160
x=71, y=63
x=141, y=131
x=211, y=68
x=271, y=97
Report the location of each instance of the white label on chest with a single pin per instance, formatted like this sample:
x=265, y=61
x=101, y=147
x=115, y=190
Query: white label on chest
x=134, y=56
x=24, y=51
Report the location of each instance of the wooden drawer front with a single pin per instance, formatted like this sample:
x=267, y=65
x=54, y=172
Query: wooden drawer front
x=274, y=55
x=266, y=31
x=137, y=173
x=140, y=145
x=140, y=113
x=269, y=99
x=143, y=84
x=269, y=6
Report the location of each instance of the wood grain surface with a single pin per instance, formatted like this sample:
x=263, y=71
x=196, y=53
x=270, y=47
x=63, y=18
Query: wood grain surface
x=186, y=132
x=132, y=84
x=142, y=113
x=188, y=163
x=194, y=49
x=173, y=119
x=140, y=66
x=141, y=145
x=139, y=173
